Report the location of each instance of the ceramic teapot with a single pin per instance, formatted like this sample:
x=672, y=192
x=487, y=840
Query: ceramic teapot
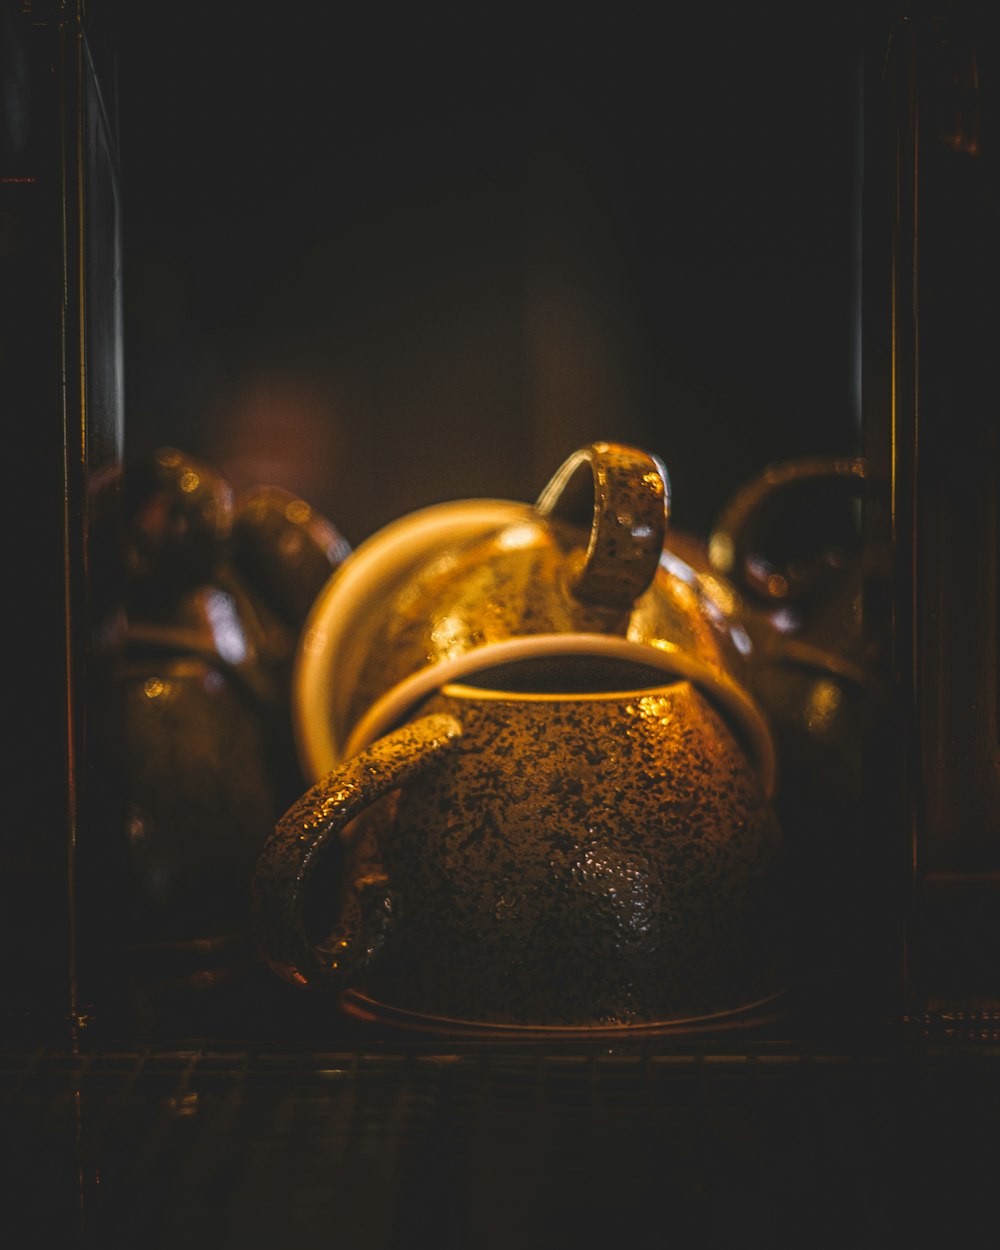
x=550, y=849
x=789, y=543
x=479, y=584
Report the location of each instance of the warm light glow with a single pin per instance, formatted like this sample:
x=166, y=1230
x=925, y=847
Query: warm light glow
x=721, y=552
x=662, y=644
x=184, y=1104
x=517, y=537
x=449, y=635
x=333, y=803
x=777, y=586
x=719, y=594
x=298, y=512
x=824, y=700
x=136, y=828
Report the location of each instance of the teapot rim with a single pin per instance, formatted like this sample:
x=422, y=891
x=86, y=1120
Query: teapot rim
x=395, y=705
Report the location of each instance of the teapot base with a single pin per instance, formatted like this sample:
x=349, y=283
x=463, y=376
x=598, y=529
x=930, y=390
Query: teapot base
x=370, y=1011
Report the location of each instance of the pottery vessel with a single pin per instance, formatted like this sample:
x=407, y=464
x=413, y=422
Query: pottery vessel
x=478, y=585
x=791, y=550
x=529, y=857
x=285, y=549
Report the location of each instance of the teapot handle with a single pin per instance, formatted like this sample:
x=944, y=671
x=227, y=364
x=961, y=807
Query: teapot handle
x=623, y=495
x=734, y=547
x=315, y=824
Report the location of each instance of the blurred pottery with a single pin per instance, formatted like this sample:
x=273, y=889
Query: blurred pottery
x=800, y=582
x=204, y=688
x=285, y=549
x=178, y=516
x=202, y=795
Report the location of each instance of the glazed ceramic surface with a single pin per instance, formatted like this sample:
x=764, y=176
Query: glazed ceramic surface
x=596, y=859
x=202, y=792
x=285, y=549
x=179, y=516
x=215, y=595
x=338, y=630
x=584, y=571
x=814, y=670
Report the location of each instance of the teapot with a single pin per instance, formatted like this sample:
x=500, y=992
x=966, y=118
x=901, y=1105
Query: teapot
x=579, y=849
x=542, y=791
x=479, y=584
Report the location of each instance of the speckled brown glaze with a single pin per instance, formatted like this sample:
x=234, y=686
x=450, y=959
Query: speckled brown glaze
x=577, y=565
x=314, y=825
x=513, y=584
x=620, y=498
x=590, y=560
x=577, y=860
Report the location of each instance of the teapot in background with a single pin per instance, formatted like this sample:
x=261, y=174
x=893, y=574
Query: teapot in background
x=217, y=588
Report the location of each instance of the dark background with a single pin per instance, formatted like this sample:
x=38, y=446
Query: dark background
x=388, y=257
